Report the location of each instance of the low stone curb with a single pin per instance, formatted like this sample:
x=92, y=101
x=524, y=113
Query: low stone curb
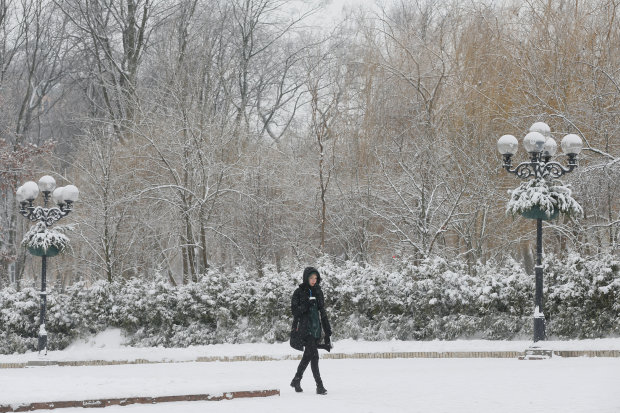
x=428, y=355
x=589, y=353
x=27, y=407
x=388, y=355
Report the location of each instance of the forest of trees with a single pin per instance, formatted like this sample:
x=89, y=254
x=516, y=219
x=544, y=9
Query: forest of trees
x=224, y=133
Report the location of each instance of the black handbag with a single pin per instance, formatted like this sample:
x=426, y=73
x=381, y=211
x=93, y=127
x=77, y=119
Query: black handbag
x=296, y=340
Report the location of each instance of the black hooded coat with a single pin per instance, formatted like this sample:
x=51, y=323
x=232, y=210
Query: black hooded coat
x=300, y=306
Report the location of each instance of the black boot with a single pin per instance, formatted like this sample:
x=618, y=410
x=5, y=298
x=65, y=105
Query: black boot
x=325, y=347
x=320, y=389
x=296, y=384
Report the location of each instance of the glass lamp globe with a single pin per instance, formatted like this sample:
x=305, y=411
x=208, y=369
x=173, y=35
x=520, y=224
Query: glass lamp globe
x=57, y=195
x=534, y=142
x=542, y=128
x=30, y=190
x=70, y=193
x=47, y=184
x=19, y=194
x=571, y=144
x=507, y=145
x=550, y=147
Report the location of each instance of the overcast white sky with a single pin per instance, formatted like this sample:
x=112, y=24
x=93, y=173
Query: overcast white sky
x=332, y=11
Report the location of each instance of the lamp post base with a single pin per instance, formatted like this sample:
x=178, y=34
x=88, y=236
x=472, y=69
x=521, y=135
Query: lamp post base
x=42, y=345
x=536, y=353
x=539, y=329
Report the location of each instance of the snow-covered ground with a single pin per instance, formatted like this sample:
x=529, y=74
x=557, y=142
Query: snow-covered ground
x=355, y=385
x=108, y=346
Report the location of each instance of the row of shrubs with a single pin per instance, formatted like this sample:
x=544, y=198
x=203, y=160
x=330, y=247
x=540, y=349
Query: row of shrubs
x=432, y=299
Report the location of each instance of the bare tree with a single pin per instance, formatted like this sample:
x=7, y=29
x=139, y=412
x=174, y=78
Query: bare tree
x=114, y=38
x=267, y=84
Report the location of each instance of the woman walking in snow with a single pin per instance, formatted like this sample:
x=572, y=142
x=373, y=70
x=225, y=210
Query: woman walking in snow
x=308, y=306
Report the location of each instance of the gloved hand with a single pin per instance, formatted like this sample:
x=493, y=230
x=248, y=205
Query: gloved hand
x=328, y=342
x=327, y=345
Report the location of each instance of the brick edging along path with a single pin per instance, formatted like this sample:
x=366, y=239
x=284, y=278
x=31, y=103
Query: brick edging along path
x=27, y=407
x=386, y=355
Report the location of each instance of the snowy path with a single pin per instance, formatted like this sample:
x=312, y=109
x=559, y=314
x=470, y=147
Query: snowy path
x=399, y=385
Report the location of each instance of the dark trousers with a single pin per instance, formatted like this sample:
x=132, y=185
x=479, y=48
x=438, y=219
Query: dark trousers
x=311, y=355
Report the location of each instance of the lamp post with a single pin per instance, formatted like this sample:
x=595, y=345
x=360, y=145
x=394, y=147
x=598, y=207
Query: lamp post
x=64, y=197
x=541, y=147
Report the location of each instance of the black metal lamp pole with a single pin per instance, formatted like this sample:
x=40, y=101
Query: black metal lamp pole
x=539, y=317
x=42, y=331
x=64, y=197
x=541, y=148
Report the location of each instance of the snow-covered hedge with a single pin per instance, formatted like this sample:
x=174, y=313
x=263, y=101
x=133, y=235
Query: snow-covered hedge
x=434, y=299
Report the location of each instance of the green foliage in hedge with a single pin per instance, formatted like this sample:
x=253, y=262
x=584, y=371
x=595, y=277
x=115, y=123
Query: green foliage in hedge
x=433, y=299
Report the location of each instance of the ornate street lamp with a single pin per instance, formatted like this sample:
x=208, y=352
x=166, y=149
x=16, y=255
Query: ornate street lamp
x=541, y=147
x=64, y=197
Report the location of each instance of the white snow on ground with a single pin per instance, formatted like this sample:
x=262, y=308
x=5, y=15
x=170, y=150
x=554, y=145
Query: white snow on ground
x=108, y=346
x=567, y=385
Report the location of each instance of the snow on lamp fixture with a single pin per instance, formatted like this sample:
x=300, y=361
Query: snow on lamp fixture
x=44, y=217
x=62, y=196
x=541, y=147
